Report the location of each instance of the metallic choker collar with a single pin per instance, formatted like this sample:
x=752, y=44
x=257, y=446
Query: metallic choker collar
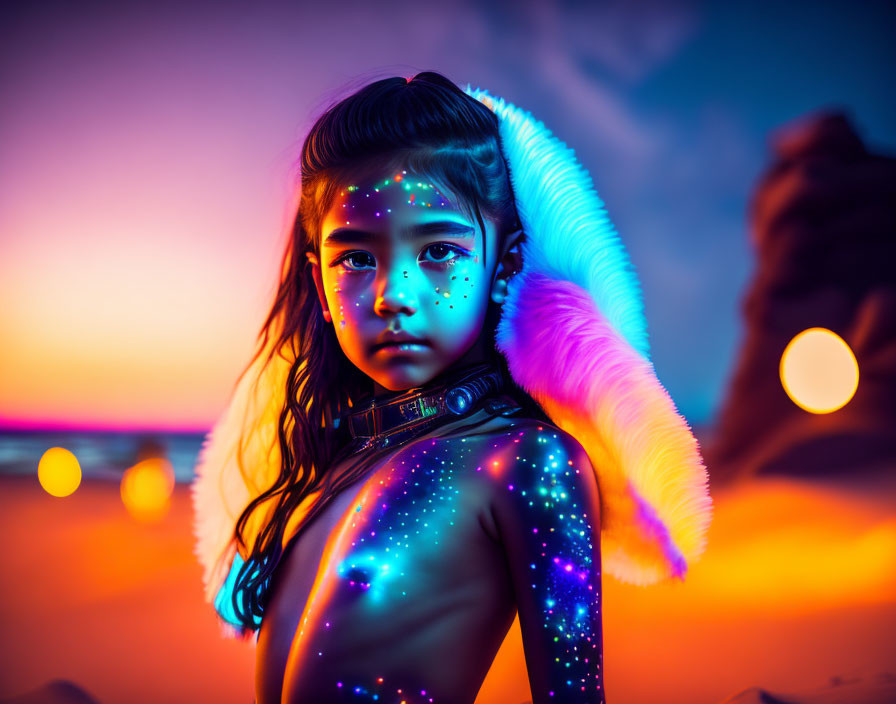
x=392, y=420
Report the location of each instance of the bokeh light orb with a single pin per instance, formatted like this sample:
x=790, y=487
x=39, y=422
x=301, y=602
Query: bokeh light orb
x=146, y=489
x=819, y=371
x=59, y=472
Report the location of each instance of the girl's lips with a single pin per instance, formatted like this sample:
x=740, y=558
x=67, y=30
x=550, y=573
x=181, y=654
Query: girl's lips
x=393, y=347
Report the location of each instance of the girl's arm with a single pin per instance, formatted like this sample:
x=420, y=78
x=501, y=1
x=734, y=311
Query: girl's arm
x=547, y=514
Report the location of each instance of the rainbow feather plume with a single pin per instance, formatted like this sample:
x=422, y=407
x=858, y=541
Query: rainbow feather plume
x=574, y=335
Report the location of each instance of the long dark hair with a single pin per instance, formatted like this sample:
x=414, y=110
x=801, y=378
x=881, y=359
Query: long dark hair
x=426, y=125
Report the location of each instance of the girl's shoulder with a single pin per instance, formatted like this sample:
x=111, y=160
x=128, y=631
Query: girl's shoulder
x=522, y=441
x=526, y=430
x=525, y=461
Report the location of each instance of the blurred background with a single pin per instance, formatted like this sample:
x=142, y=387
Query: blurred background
x=745, y=152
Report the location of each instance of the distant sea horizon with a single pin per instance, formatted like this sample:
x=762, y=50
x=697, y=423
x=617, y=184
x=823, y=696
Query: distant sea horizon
x=102, y=453
x=107, y=453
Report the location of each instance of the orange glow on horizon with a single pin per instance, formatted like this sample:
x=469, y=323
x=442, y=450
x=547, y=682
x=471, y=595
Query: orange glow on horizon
x=135, y=298
x=786, y=546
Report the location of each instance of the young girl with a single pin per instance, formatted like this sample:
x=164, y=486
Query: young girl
x=450, y=418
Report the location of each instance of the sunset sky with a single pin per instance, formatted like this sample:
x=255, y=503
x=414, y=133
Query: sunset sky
x=147, y=167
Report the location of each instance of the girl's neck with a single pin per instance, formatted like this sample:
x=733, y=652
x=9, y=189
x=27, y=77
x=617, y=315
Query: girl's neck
x=475, y=355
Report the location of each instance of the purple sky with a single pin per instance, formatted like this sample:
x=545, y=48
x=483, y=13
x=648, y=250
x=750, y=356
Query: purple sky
x=147, y=177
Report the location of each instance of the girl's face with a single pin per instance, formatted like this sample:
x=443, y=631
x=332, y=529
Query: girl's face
x=402, y=277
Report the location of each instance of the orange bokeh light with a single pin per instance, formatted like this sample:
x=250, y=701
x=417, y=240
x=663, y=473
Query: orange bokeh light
x=59, y=472
x=146, y=489
x=818, y=370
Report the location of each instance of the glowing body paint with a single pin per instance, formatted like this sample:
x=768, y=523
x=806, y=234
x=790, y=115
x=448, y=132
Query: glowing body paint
x=431, y=557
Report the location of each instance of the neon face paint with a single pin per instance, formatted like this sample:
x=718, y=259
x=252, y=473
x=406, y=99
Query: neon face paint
x=399, y=258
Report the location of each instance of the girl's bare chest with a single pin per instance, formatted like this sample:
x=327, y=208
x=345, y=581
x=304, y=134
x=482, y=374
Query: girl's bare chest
x=412, y=501
x=413, y=516
x=305, y=554
x=415, y=507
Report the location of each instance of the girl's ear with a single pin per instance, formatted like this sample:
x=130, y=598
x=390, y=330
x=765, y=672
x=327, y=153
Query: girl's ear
x=319, y=285
x=509, y=263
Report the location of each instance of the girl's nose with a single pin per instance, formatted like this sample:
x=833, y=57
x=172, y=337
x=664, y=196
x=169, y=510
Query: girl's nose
x=395, y=294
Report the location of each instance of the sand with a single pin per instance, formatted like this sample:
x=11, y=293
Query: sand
x=794, y=600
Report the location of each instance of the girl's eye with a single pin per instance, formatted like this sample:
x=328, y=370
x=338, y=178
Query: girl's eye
x=442, y=252
x=355, y=261
x=437, y=253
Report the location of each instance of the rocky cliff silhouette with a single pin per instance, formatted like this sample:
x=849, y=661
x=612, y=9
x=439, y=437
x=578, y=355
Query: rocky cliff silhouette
x=823, y=224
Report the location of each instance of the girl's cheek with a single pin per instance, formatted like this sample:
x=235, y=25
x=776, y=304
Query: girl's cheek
x=348, y=298
x=458, y=287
